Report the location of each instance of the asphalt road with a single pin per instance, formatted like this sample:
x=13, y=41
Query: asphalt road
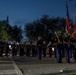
x=32, y=66
x=46, y=66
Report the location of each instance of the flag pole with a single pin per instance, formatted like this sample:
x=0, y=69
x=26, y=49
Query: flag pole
x=67, y=18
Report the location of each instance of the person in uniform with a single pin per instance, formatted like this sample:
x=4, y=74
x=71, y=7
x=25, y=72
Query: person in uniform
x=59, y=48
x=49, y=46
x=67, y=46
x=28, y=48
x=44, y=48
x=74, y=53
x=1, y=48
x=21, y=53
x=6, y=49
x=39, y=47
x=13, y=49
x=73, y=48
x=33, y=48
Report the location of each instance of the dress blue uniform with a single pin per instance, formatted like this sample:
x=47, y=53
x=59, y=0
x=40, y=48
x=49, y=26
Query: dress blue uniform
x=73, y=46
x=67, y=47
x=59, y=48
x=40, y=47
x=44, y=48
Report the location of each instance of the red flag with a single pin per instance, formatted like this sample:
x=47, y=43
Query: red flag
x=74, y=34
x=75, y=20
x=67, y=25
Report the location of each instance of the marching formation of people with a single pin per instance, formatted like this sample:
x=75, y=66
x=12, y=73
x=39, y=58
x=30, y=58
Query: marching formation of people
x=63, y=46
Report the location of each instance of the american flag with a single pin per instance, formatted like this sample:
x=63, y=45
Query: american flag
x=75, y=20
x=68, y=26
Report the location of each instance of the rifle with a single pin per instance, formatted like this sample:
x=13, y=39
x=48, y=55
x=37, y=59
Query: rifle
x=57, y=37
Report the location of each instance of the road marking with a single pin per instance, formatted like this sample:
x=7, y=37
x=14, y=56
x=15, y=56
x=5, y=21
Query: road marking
x=7, y=72
x=18, y=71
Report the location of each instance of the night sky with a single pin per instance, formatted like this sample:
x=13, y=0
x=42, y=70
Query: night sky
x=21, y=12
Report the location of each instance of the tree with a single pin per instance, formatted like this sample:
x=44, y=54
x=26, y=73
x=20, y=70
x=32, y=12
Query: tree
x=3, y=32
x=29, y=30
x=5, y=35
x=8, y=32
x=16, y=33
x=44, y=27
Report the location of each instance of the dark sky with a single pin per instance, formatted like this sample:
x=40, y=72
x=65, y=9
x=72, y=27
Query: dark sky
x=21, y=12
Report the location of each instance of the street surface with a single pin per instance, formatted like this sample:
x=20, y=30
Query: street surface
x=46, y=66
x=32, y=66
x=8, y=67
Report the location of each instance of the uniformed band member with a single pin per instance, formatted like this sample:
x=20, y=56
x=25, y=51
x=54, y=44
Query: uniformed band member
x=13, y=49
x=39, y=46
x=21, y=47
x=33, y=48
x=1, y=48
x=6, y=49
x=44, y=48
x=50, y=48
x=28, y=48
